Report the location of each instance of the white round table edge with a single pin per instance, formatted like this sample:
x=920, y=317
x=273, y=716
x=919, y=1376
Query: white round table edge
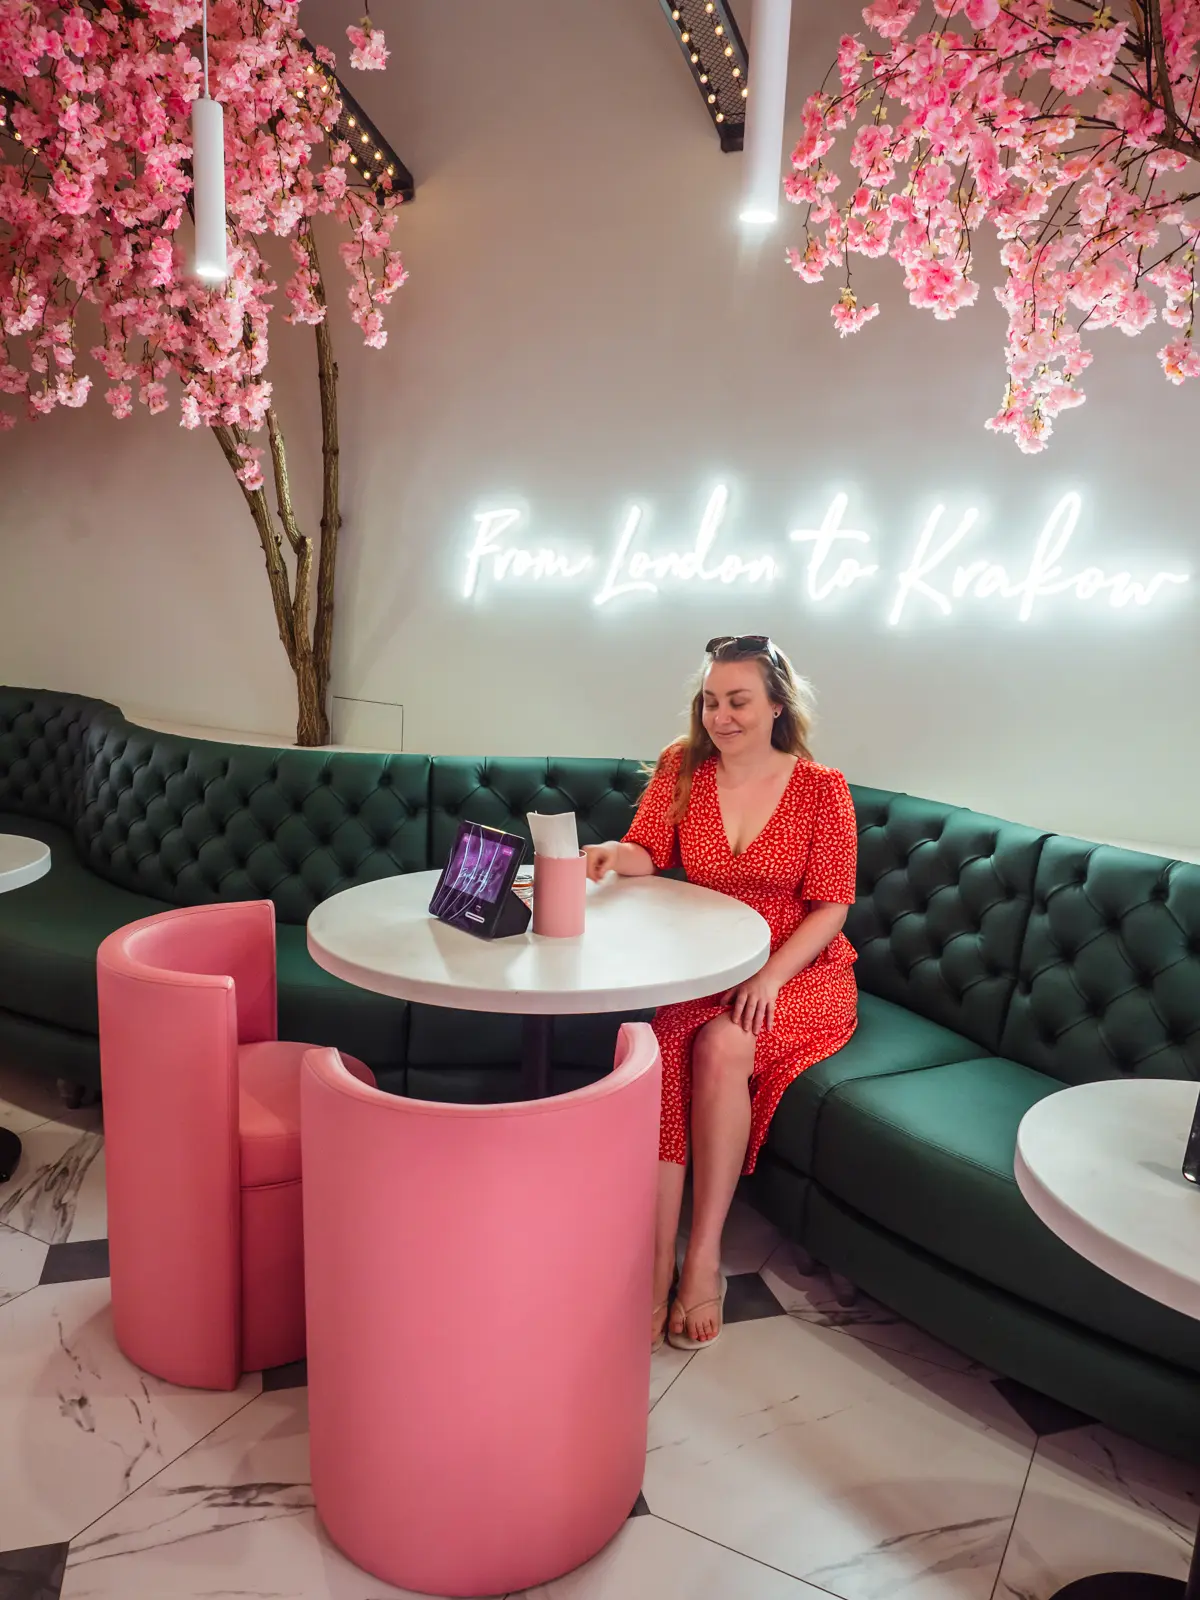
x=533, y=1002
x=28, y=871
x=1155, y=1279
x=539, y=1002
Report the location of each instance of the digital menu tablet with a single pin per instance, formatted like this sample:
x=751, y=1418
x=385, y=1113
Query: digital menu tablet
x=474, y=892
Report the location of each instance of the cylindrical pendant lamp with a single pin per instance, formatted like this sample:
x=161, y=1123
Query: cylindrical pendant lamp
x=767, y=82
x=208, y=189
x=208, y=179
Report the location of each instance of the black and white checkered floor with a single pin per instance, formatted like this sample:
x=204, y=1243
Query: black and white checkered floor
x=817, y=1450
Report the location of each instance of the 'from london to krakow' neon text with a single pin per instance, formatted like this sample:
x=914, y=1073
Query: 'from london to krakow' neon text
x=939, y=576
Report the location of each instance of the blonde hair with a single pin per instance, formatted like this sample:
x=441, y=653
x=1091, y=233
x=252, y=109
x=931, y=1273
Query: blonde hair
x=785, y=688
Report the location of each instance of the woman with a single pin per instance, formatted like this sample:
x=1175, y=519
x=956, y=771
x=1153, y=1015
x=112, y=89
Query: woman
x=742, y=806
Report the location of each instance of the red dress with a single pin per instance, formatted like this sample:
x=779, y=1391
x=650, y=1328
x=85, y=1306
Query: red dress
x=807, y=852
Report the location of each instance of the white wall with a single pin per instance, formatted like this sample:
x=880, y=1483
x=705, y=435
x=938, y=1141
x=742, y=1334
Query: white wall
x=583, y=325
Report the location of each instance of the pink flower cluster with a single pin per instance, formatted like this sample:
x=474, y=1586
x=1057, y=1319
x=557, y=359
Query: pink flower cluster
x=369, y=54
x=95, y=151
x=1063, y=128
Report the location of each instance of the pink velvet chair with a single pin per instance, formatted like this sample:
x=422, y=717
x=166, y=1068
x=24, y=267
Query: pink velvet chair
x=479, y=1286
x=202, y=1145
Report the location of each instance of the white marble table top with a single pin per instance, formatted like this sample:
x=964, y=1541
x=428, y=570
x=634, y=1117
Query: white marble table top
x=647, y=942
x=1100, y=1165
x=22, y=860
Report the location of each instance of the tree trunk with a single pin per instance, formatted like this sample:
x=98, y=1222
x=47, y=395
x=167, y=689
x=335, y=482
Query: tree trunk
x=331, y=512
x=312, y=719
x=309, y=646
x=290, y=594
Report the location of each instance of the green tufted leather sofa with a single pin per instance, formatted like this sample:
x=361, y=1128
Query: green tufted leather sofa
x=996, y=964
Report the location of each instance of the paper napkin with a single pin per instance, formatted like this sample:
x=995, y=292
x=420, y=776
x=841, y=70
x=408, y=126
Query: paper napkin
x=555, y=835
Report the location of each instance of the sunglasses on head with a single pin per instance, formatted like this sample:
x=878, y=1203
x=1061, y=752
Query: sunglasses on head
x=742, y=644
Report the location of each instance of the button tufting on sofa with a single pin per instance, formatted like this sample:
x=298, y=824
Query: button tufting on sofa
x=155, y=819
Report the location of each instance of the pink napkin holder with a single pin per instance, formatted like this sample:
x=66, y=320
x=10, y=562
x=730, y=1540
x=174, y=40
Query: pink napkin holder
x=559, y=895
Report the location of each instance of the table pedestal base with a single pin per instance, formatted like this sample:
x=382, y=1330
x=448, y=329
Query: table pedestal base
x=1136, y=1585
x=1124, y=1586
x=537, y=1052
x=10, y=1154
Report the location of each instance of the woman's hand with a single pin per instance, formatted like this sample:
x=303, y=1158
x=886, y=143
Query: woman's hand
x=752, y=1004
x=601, y=860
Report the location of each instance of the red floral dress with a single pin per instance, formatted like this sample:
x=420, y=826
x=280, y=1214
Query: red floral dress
x=806, y=853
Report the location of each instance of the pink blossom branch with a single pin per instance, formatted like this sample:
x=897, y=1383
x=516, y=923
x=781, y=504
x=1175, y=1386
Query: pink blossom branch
x=1053, y=125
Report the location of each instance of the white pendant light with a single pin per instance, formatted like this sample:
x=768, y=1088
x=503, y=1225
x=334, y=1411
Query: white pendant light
x=763, y=140
x=208, y=179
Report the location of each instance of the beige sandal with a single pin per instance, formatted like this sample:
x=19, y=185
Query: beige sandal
x=664, y=1305
x=680, y=1340
x=657, y=1344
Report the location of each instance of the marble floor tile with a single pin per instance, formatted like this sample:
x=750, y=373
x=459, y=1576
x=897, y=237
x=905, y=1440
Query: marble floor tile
x=862, y=1471
x=81, y=1258
x=26, y=1098
x=292, y=1375
x=665, y=1366
x=233, y=1517
x=34, y=1573
x=1042, y=1412
x=21, y=1263
x=57, y=1191
x=811, y=1299
x=651, y=1560
x=80, y=1425
x=87, y=1119
x=17, y=1118
x=1096, y=1502
x=747, y=1296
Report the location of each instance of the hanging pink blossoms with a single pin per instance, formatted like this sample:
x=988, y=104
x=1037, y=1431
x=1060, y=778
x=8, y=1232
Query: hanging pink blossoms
x=369, y=53
x=95, y=147
x=1072, y=129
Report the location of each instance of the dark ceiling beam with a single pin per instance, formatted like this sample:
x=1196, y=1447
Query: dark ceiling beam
x=372, y=157
x=713, y=47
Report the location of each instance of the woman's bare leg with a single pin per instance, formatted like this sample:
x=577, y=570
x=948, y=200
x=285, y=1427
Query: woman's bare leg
x=722, y=1062
x=666, y=1233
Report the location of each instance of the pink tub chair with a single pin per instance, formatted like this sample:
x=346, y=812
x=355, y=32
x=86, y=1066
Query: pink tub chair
x=202, y=1145
x=479, y=1285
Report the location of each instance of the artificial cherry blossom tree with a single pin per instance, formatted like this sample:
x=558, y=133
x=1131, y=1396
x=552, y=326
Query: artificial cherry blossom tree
x=1071, y=129
x=95, y=185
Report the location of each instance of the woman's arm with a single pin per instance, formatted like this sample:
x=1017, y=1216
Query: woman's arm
x=827, y=890
x=752, y=1004
x=626, y=860
x=652, y=842
x=819, y=929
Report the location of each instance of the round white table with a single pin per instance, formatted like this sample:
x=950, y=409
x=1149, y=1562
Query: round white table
x=1100, y=1165
x=647, y=942
x=22, y=861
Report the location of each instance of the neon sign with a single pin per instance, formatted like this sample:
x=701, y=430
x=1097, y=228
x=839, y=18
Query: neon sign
x=934, y=577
